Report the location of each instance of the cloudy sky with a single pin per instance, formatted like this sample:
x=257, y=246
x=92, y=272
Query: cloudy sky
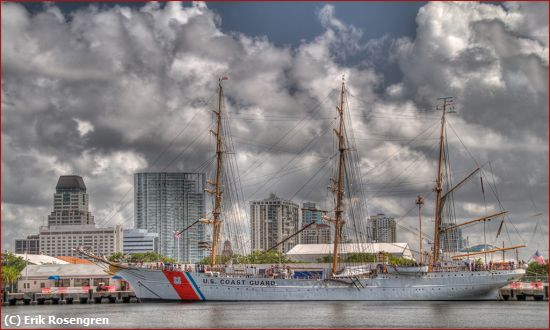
x=104, y=91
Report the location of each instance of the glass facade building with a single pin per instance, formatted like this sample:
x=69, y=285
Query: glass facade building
x=451, y=240
x=319, y=233
x=29, y=245
x=168, y=202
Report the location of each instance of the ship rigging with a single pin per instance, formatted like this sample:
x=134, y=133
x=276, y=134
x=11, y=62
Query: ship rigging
x=340, y=282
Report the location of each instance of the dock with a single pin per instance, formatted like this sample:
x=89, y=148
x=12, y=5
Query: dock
x=522, y=291
x=69, y=298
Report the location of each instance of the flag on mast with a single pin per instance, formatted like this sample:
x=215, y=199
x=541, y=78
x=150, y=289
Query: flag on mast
x=177, y=234
x=539, y=258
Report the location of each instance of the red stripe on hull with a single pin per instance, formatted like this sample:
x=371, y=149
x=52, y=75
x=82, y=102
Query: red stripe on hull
x=181, y=285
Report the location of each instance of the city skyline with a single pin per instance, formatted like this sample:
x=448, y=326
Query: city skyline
x=71, y=225
x=127, y=89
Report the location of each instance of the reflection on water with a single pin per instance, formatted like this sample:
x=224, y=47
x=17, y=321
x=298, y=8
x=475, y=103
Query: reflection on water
x=350, y=314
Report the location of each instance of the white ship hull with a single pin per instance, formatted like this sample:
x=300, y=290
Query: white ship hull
x=190, y=286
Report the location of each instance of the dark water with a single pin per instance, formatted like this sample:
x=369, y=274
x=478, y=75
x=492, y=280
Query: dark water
x=497, y=314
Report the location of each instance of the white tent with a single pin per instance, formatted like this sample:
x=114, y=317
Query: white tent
x=314, y=252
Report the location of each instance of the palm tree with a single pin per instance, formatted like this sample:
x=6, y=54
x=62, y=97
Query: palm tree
x=9, y=276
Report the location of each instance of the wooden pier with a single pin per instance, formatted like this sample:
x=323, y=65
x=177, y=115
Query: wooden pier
x=89, y=297
x=525, y=291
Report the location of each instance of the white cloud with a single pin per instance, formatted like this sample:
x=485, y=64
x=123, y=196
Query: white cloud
x=84, y=127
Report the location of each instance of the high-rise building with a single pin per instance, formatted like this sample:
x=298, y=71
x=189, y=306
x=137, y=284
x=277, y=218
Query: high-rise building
x=71, y=224
x=272, y=220
x=382, y=228
x=139, y=241
x=70, y=203
x=451, y=240
x=310, y=214
x=318, y=233
x=29, y=245
x=165, y=203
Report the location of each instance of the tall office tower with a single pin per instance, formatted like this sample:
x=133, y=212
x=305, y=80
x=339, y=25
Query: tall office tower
x=272, y=220
x=451, y=240
x=382, y=228
x=165, y=203
x=71, y=225
x=70, y=203
x=318, y=233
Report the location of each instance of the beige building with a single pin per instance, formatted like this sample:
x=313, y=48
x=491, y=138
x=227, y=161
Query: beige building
x=316, y=234
x=63, y=240
x=272, y=220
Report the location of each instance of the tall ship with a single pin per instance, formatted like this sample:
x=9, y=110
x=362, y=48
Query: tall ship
x=432, y=277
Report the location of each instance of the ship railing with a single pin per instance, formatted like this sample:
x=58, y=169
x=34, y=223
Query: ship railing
x=472, y=267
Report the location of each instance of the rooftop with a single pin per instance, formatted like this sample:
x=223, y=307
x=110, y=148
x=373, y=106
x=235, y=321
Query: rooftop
x=63, y=270
x=40, y=259
x=75, y=260
x=70, y=182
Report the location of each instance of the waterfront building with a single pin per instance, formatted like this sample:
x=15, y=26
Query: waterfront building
x=316, y=252
x=451, y=240
x=272, y=220
x=165, y=203
x=67, y=278
x=139, y=241
x=382, y=228
x=29, y=245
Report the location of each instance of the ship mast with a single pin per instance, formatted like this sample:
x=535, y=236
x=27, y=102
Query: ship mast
x=420, y=202
x=217, y=192
x=339, y=180
x=438, y=181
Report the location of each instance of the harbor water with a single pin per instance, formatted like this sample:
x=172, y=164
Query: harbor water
x=350, y=314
